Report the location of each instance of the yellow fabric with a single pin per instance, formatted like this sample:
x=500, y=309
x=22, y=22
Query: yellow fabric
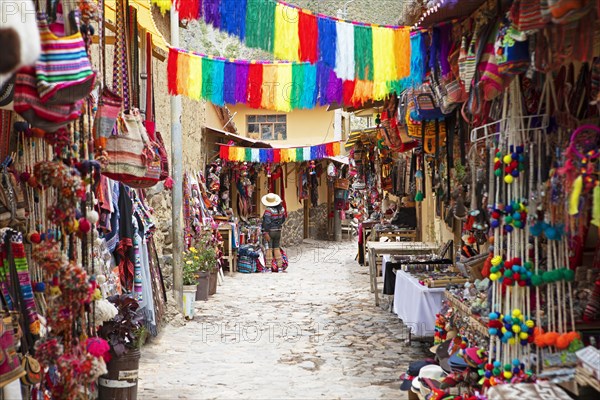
x=183, y=72
x=596, y=206
x=195, y=77
x=163, y=5
x=287, y=39
x=336, y=148
x=402, y=52
x=282, y=89
x=384, y=69
x=269, y=86
x=574, y=197
x=144, y=16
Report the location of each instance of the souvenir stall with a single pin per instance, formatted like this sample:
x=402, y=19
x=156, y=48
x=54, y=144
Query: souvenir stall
x=509, y=93
x=80, y=283
x=258, y=171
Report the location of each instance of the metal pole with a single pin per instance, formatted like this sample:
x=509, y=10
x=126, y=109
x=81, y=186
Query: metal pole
x=177, y=195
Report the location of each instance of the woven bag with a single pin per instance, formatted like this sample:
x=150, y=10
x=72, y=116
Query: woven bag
x=63, y=71
x=28, y=104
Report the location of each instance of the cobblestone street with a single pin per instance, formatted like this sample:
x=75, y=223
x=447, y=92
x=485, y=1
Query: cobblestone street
x=313, y=332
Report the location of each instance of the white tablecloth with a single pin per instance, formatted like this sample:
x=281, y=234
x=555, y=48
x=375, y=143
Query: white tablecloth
x=416, y=305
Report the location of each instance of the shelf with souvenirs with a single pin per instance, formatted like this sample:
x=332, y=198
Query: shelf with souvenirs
x=520, y=146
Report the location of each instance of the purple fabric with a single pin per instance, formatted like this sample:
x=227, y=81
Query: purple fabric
x=334, y=89
x=445, y=45
x=229, y=82
x=212, y=13
x=241, y=83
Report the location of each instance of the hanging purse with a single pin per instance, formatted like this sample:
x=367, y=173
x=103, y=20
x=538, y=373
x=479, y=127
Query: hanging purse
x=27, y=103
x=10, y=367
x=63, y=71
x=109, y=106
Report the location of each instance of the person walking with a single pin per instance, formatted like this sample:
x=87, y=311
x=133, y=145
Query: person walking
x=272, y=223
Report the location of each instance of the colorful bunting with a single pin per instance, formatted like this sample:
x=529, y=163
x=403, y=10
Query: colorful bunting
x=354, y=50
x=284, y=155
x=281, y=86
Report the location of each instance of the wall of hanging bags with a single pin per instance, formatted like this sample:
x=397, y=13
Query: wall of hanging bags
x=71, y=236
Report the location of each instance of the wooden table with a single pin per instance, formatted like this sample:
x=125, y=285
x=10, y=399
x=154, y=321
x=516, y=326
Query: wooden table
x=394, y=248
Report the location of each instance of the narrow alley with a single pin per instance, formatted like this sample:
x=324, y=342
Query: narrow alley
x=312, y=332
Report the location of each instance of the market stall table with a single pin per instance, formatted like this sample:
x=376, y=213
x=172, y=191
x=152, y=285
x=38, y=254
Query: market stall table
x=393, y=248
x=417, y=305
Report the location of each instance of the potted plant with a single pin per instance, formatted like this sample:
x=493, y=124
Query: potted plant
x=203, y=258
x=125, y=334
x=191, y=278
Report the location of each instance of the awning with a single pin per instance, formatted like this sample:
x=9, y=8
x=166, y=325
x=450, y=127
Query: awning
x=362, y=135
x=340, y=159
x=144, y=17
x=257, y=144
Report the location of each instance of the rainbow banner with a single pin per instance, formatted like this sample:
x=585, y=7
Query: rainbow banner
x=283, y=155
x=279, y=85
x=355, y=51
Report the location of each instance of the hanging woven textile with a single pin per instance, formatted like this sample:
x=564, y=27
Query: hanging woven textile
x=212, y=12
x=282, y=94
x=322, y=82
x=260, y=24
x=233, y=17
x=295, y=91
x=241, y=83
x=363, y=92
x=212, y=86
x=363, y=52
x=309, y=91
x=344, y=56
x=286, y=33
x=309, y=36
x=269, y=88
x=229, y=84
x=334, y=89
x=172, y=71
x=195, y=78
x=402, y=52
x=255, y=85
x=383, y=60
x=188, y=9
x=183, y=68
x=327, y=41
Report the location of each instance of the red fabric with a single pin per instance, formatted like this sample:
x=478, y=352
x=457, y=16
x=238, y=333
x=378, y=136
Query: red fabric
x=255, y=81
x=172, y=71
x=330, y=149
x=188, y=9
x=348, y=91
x=309, y=37
x=276, y=156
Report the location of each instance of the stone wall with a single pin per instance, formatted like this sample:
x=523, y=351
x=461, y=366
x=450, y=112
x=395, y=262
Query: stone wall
x=317, y=225
x=293, y=230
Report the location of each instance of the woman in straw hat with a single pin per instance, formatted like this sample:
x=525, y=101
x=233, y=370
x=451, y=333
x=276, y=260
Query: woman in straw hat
x=272, y=222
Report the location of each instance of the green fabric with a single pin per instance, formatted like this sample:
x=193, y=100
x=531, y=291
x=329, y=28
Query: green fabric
x=363, y=52
x=207, y=74
x=300, y=154
x=248, y=156
x=260, y=24
x=297, y=86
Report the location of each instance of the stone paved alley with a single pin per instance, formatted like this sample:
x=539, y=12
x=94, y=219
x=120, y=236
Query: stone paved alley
x=313, y=332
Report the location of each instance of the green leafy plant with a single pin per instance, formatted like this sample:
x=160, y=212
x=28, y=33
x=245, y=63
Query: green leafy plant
x=203, y=257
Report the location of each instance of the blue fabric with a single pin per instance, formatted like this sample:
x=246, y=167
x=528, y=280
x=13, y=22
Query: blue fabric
x=233, y=17
x=327, y=41
x=229, y=89
x=322, y=82
x=309, y=92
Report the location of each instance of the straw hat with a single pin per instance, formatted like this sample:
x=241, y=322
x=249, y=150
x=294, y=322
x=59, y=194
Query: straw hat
x=271, y=200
